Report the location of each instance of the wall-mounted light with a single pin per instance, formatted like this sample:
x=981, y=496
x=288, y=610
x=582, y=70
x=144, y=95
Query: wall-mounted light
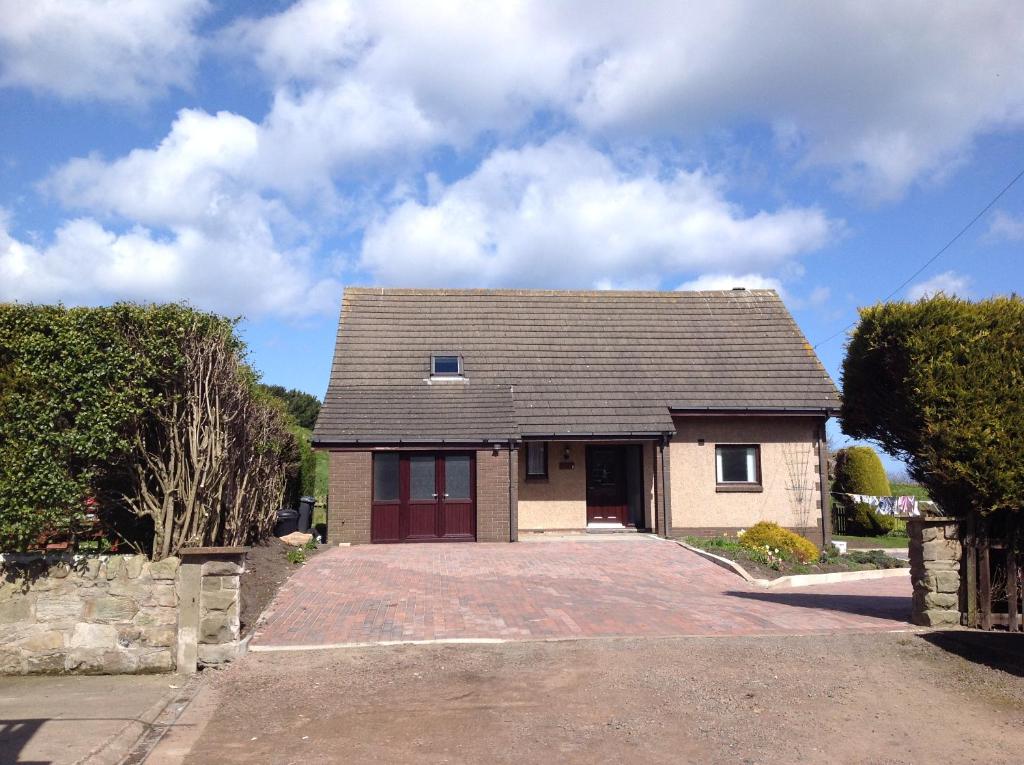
x=565, y=453
x=700, y=442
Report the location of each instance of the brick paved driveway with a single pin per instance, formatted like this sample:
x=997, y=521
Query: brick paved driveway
x=566, y=589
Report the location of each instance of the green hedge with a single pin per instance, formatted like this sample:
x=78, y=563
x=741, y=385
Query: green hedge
x=859, y=471
x=95, y=407
x=938, y=383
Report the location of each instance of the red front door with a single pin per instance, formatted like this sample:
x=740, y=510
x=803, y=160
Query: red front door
x=606, y=485
x=434, y=502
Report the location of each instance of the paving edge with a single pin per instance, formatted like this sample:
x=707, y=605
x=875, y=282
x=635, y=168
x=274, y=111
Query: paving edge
x=913, y=629
x=797, y=580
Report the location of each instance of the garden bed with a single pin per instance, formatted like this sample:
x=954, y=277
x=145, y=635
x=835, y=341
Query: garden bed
x=753, y=561
x=267, y=567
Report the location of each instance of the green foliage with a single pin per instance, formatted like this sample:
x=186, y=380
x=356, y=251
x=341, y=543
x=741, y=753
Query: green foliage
x=773, y=536
x=303, y=407
x=298, y=555
x=876, y=558
x=766, y=555
x=864, y=521
x=860, y=471
x=89, y=402
x=938, y=383
x=713, y=543
x=74, y=384
x=322, y=463
x=909, y=490
x=300, y=478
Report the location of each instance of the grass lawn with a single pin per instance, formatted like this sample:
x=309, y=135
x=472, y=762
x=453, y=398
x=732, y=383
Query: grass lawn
x=909, y=490
x=862, y=542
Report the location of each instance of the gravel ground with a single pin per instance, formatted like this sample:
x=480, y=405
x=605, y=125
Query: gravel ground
x=853, y=698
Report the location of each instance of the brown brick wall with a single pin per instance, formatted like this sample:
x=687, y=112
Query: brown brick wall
x=350, y=492
x=492, y=495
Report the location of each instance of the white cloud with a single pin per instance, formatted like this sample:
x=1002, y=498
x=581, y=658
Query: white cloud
x=114, y=50
x=886, y=97
x=1006, y=227
x=237, y=270
x=563, y=214
x=948, y=283
x=707, y=282
x=203, y=162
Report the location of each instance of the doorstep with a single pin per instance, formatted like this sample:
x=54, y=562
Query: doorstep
x=627, y=535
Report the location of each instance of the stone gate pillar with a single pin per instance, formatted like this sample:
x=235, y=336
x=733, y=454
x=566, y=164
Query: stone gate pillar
x=935, y=553
x=209, y=608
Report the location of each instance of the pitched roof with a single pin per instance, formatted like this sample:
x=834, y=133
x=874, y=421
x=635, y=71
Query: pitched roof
x=546, y=363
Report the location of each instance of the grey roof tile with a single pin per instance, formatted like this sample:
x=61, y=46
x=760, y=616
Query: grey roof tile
x=551, y=362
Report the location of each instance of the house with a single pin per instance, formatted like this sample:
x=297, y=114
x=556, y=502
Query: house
x=461, y=415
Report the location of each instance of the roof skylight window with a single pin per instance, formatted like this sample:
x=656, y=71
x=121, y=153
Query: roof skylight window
x=446, y=366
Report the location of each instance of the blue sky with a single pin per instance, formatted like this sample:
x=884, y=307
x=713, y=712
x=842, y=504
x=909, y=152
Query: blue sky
x=254, y=158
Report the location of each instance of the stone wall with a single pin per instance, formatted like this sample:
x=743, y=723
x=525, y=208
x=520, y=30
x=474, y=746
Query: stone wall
x=935, y=553
x=95, y=615
x=119, y=614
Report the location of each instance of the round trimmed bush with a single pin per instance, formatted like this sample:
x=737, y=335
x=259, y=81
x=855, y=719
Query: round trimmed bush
x=767, y=534
x=863, y=520
x=860, y=471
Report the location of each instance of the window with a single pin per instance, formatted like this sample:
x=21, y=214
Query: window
x=536, y=459
x=446, y=366
x=457, y=476
x=422, y=477
x=736, y=464
x=385, y=477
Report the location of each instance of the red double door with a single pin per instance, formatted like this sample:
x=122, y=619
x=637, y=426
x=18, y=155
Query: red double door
x=435, y=499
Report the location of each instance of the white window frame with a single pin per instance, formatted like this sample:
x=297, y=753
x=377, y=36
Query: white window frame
x=753, y=464
x=446, y=375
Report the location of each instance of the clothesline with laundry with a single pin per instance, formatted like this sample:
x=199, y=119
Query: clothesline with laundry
x=902, y=506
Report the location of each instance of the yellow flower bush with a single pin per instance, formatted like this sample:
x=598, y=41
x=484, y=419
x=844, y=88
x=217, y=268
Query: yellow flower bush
x=773, y=536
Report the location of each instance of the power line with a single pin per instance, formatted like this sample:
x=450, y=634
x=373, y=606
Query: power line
x=935, y=257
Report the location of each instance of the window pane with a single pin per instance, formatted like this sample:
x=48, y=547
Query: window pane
x=456, y=476
x=385, y=477
x=536, y=459
x=446, y=365
x=421, y=476
x=736, y=464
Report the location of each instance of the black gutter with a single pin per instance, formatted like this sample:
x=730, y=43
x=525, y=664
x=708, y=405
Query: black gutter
x=727, y=410
x=487, y=441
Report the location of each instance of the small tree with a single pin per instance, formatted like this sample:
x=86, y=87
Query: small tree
x=860, y=471
x=303, y=407
x=940, y=384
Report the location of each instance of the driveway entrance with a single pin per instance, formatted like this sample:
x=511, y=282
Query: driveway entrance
x=643, y=587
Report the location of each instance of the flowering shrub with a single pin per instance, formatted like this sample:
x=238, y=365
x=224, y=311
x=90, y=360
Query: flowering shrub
x=774, y=537
x=772, y=557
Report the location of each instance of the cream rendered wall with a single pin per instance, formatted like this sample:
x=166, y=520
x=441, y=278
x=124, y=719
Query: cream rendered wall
x=789, y=473
x=561, y=501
